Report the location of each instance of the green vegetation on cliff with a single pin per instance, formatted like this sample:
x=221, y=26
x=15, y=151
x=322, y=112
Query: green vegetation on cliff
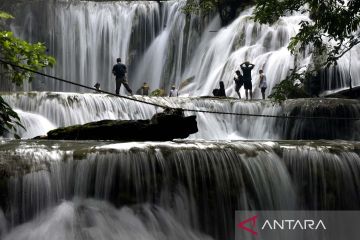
x=227, y=9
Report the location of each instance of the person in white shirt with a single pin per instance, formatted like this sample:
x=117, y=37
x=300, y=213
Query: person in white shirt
x=262, y=83
x=173, y=92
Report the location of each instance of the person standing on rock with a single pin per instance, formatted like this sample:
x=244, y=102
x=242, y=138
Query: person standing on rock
x=238, y=82
x=145, y=89
x=262, y=83
x=173, y=92
x=119, y=70
x=246, y=68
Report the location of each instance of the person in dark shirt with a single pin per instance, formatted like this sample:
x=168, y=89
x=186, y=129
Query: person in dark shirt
x=119, y=70
x=246, y=68
x=97, y=87
x=220, y=92
x=238, y=82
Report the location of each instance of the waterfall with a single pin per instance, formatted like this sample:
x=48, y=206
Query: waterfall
x=173, y=189
x=181, y=189
x=34, y=124
x=87, y=37
x=90, y=220
x=43, y=111
x=3, y=227
x=162, y=46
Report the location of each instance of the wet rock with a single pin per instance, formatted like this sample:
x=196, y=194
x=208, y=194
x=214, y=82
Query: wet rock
x=353, y=93
x=164, y=126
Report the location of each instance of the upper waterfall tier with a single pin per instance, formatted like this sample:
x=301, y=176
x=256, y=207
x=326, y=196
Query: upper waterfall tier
x=162, y=46
x=44, y=111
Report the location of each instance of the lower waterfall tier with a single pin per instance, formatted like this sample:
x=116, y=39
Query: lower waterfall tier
x=183, y=189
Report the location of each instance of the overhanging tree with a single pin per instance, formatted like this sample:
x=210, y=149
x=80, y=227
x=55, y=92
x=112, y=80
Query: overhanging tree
x=332, y=31
x=333, y=26
x=21, y=53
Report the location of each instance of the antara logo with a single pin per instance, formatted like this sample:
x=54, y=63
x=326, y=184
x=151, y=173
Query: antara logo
x=290, y=224
x=252, y=221
x=287, y=224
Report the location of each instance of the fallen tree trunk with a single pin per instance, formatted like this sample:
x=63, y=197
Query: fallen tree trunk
x=162, y=127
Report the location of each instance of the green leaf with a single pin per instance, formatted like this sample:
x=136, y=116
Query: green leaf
x=5, y=15
x=21, y=53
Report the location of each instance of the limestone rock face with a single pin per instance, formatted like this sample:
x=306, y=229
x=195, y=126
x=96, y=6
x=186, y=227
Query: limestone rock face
x=163, y=126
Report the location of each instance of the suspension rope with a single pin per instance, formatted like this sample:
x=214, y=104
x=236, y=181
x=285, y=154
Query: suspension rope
x=80, y=85
x=184, y=109
x=272, y=116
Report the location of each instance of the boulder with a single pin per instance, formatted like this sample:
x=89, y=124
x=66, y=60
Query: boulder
x=164, y=126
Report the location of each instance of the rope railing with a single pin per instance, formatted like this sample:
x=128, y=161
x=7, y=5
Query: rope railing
x=184, y=109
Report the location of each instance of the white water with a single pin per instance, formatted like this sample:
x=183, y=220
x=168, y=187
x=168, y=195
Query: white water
x=3, y=225
x=43, y=111
x=34, y=124
x=170, y=190
x=98, y=220
x=181, y=189
x=161, y=47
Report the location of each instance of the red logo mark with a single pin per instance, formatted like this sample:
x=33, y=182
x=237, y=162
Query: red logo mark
x=252, y=220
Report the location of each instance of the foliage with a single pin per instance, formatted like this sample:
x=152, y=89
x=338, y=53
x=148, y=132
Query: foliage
x=227, y=9
x=24, y=54
x=291, y=87
x=20, y=53
x=5, y=15
x=158, y=93
x=333, y=24
x=331, y=31
x=195, y=6
x=8, y=118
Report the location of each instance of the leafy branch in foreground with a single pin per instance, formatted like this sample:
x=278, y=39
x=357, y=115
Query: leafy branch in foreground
x=18, y=52
x=24, y=54
x=8, y=118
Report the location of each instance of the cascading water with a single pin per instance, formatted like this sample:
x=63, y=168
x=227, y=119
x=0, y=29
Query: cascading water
x=87, y=37
x=162, y=46
x=42, y=112
x=174, y=189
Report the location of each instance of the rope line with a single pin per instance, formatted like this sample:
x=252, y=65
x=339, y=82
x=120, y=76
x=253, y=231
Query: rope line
x=184, y=109
x=81, y=85
x=271, y=116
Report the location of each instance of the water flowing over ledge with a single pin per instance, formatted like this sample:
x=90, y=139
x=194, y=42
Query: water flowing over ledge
x=43, y=111
x=162, y=46
x=194, y=186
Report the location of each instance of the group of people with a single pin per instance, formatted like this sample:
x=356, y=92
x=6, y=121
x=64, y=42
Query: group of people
x=244, y=79
x=119, y=70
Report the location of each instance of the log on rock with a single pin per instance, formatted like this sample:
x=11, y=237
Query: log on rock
x=163, y=126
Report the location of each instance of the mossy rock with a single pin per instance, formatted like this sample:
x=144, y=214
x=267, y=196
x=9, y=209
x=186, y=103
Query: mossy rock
x=158, y=93
x=163, y=127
